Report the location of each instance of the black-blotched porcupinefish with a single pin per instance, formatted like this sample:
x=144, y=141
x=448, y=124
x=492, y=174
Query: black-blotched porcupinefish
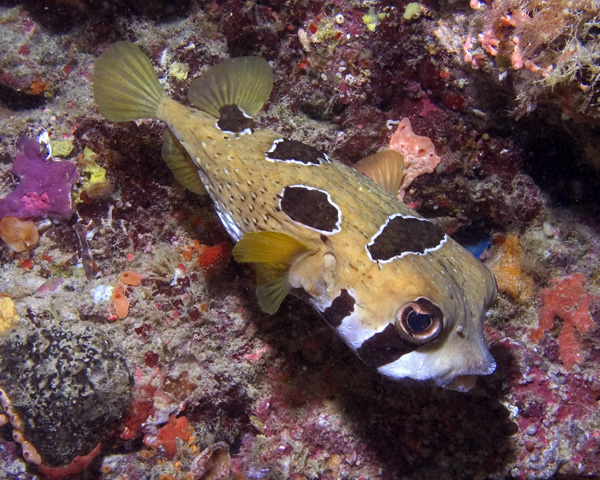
x=408, y=299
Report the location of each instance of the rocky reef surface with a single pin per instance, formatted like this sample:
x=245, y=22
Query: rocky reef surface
x=128, y=297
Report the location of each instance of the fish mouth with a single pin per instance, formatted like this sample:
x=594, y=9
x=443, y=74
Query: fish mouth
x=464, y=383
x=458, y=374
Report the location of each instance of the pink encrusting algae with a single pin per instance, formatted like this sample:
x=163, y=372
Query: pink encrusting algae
x=418, y=152
x=570, y=302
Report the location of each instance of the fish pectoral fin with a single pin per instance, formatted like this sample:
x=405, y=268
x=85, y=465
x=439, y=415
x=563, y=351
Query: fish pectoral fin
x=181, y=165
x=244, y=81
x=385, y=168
x=272, y=286
x=273, y=253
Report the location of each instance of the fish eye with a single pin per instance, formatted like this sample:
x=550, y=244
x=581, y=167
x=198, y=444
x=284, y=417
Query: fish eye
x=420, y=321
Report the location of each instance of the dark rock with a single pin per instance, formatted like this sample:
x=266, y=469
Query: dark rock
x=69, y=384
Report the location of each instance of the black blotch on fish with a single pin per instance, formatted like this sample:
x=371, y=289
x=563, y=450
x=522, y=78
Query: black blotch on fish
x=310, y=207
x=285, y=150
x=403, y=235
x=384, y=347
x=232, y=119
x=340, y=308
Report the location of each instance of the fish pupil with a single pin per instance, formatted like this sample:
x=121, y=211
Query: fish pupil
x=418, y=322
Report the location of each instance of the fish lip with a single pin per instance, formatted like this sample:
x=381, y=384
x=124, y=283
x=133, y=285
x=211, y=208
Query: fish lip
x=415, y=365
x=462, y=383
x=490, y=365
x=465, y=381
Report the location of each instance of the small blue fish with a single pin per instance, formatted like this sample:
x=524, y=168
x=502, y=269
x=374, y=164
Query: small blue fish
x=479, y=248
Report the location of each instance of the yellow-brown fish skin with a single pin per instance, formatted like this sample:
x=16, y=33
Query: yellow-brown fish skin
x=352, y=265
x=246, y=190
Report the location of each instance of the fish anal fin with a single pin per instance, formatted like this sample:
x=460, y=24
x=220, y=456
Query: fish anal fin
x=181, y=165
x=273, y=253
x=385, y=168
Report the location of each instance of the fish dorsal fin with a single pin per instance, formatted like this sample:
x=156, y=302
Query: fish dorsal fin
x=385, y=168
x=273, y=253
x=244, y=81
x=181, y=165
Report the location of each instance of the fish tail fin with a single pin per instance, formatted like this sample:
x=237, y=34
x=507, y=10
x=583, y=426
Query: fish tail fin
x=273, y=253
x=125, y=84
x=245, y=82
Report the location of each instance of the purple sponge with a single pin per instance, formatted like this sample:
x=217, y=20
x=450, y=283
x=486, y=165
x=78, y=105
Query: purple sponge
x=45, y=187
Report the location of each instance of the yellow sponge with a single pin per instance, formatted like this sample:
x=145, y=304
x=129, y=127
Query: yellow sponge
x=8, y=315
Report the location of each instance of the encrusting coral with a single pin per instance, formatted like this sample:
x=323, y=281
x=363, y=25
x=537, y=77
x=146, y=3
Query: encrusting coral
x=418, y=152
x=569, y=301
x=510, y=277
x=8, y=314
x=279, y=391
x=45, y=188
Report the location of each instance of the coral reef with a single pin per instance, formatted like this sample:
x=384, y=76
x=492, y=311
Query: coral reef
x=506, y=93
x=549, y=45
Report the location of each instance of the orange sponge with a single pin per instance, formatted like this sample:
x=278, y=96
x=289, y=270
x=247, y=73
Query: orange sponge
x=120, y=302
x=131, y=278
x=19, y=235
